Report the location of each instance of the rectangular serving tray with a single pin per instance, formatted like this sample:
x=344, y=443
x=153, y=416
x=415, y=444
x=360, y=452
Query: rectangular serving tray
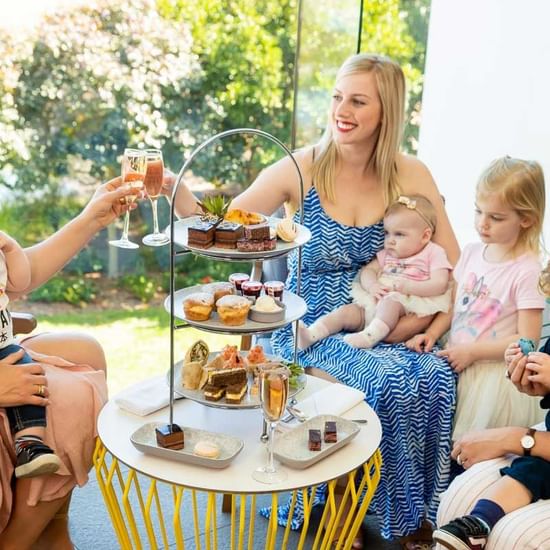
x=291, y=448
x=144, y=440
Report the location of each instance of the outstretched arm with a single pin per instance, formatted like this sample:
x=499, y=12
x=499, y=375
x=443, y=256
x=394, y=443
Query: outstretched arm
x=49, y=256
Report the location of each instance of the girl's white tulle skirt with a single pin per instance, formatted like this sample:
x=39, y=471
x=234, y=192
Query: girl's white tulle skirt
x=487, y=399
x=420, y=305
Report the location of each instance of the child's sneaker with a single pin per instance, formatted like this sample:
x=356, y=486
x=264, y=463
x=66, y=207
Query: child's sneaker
x=465, y=533
x=35, y=459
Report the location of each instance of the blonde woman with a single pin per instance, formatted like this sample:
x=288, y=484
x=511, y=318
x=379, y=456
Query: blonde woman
x=351, y=176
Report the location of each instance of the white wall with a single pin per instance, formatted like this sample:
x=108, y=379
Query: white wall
x=486, y=94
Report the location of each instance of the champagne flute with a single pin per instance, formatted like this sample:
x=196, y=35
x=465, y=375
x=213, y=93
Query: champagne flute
x=273, y=396
x=153, y=184
x=134, y=166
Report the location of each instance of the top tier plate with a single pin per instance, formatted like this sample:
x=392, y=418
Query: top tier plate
x=282, y=248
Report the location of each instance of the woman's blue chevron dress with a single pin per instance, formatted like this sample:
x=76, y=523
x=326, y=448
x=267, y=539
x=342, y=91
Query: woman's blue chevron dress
x=413, y=394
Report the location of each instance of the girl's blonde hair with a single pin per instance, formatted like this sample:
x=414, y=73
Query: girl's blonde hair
x=390, y=82
x=519, y=184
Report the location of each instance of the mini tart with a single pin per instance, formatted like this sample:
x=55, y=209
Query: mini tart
x=198, y=306
x=233, y=310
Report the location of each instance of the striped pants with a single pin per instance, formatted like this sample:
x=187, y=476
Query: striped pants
x=527, y=528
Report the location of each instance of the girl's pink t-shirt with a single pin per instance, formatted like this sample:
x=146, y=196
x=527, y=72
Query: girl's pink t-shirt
x=489, y=295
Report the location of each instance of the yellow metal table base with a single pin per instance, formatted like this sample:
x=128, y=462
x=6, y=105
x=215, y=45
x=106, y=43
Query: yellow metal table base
x=142, y=518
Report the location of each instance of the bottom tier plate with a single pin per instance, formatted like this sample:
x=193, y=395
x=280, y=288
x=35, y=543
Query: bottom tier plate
x=144, y=440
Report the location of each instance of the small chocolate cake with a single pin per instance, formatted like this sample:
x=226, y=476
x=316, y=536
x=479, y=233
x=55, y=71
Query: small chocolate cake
x=170, y=436
x=235, y=393
x=331, y=435
x=227, y=377
x=228, y=233
x=247, y=245
x=270, y=244
x=314, y=440
x=213, y=393
x=201, y=234
x=258, y=232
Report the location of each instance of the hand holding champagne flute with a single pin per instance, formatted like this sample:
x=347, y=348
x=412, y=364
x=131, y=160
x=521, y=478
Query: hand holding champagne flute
x=134, y=166
x=273, y=396
x=153, y=184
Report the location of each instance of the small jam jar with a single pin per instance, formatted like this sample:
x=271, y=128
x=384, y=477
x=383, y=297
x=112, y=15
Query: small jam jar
x=274, y=289
x=238, y=279
x=251, y=290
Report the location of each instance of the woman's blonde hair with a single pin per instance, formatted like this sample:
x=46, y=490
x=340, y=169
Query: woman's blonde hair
x=519, y=184
x=390, y=82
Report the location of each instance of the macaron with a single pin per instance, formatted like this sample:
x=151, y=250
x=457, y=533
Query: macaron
x=207, y=449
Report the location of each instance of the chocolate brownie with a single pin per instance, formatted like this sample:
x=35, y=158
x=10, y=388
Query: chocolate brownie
x=170, y=436
x=331, y=435
x=314, y=440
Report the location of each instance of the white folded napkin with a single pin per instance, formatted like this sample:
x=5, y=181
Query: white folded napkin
x=145, y=397
x=335, y=399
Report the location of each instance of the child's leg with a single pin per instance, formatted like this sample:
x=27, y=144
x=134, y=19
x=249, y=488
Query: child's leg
x=349, y=318
x=472, y=531
x=388, y=312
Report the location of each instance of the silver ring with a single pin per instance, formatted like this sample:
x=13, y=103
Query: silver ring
x=506, y=373
x=459, y=460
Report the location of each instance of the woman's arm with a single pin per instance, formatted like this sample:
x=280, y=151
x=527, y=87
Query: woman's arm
x=415, y=177
x=49, y=256
x=277, y=184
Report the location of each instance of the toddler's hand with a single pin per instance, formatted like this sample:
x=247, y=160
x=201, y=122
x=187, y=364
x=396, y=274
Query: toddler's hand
x=458, y=357
x=378, y=290
x=512, y=353
x=421, y=343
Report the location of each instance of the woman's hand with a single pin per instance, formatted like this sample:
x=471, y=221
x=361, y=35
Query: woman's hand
x=421, y=343
x=109, y=202
x=20, y=383
x=516, y=370
x=459, y=357
x=475, y=447
x=407, y=327
x=537, y=369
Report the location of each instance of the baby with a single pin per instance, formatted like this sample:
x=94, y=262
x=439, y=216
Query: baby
x=409, y=275
x=27, y=422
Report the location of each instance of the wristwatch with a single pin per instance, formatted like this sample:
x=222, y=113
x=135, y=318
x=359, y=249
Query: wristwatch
x=528, y=441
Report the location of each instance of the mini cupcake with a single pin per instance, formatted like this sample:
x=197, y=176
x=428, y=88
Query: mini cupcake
x=219, y=289
x=233, y=310
x=198, y=306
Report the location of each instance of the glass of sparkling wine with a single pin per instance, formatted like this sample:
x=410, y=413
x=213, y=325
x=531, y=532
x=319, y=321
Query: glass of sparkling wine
x=134, y=166
x=153, y=184
x=273, y=396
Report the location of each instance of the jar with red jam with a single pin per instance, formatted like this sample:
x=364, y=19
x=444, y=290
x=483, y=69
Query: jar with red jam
x=251, y=290
x=274, y=289
x=238, y=279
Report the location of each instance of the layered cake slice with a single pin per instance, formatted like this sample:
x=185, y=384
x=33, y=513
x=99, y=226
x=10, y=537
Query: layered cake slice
x=213, y=392
x=314, y=440
x=331, y=435
x=227, y=377
x=235, y=393
x=257, y=232
x=228, y=233
x=170, y=436
x=201, y=234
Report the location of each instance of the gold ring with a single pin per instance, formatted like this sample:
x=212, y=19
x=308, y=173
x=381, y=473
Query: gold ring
x=122, y=201
x=41, y=390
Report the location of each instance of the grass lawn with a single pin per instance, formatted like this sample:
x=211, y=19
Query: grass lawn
x=136, y=342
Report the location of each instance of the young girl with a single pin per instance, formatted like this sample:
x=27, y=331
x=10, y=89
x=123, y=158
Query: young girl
x=409, y=275
x=496, y=298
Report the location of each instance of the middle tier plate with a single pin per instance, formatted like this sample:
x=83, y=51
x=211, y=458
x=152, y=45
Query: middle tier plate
x=296, y=308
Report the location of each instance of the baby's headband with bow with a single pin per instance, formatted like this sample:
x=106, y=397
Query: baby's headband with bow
x=411, y=205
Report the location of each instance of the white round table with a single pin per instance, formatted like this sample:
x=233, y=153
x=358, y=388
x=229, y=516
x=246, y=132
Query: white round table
x=360, y=459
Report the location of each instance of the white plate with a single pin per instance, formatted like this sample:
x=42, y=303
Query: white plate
x=144, y=440
x=291, y=448
x=180, y=238
x=249, y=401
x=296, y=308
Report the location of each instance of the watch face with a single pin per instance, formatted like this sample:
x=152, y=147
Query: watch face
x=527, y=441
